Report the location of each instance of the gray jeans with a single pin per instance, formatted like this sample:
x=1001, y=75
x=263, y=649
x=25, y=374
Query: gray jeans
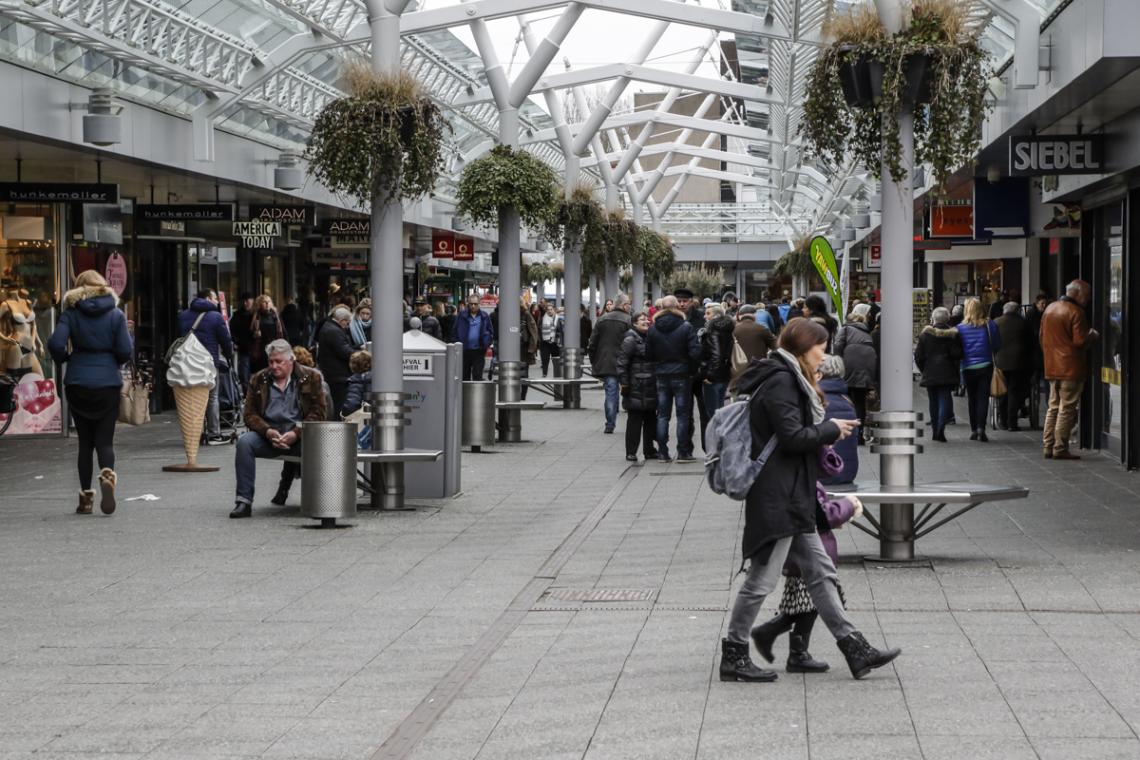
x=213, y=414
x=818, y=573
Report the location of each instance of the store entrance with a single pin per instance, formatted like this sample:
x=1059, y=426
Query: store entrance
x=1109, y=356
x=161, y=286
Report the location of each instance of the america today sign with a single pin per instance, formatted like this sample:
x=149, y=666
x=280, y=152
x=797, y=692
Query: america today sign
x=1038, y=156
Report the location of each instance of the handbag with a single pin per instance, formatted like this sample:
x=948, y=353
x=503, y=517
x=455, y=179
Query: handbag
x=134, y=403
x=830, y=462
x=998, y=386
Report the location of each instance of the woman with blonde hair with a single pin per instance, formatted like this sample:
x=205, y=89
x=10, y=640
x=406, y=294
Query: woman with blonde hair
x=980, y=340
x=92, y=341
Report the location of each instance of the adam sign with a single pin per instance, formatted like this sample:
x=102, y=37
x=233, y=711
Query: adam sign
x=1056, y=154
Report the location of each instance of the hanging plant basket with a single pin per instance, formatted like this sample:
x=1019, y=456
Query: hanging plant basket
x=384, y=141
x=861, y=83
x=508, y=178
x=860, y=76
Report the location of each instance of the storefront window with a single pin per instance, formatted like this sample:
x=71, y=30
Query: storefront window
x=1111, y=363
x=29, y=307
x=273, y=278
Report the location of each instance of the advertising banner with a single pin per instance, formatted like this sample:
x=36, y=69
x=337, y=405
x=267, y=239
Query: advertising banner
x=442, y=245
x=464, y=248
x=823, y=257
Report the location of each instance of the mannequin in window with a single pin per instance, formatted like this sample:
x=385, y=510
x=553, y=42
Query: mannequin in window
x=19, y=341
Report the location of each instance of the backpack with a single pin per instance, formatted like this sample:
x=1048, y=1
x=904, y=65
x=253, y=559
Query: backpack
x=176, y=346
x=729, y=466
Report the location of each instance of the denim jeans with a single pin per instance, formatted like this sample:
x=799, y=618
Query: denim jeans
x=213, y=413
x=819, y=576
x=714, y=396
x=251, y=447
x=613, y=394
x=675, y=389
x=941, y=407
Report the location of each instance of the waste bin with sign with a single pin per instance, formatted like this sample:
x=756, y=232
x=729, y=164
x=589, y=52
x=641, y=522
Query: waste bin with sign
x=432, y=384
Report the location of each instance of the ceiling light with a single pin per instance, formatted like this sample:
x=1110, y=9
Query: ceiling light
x=287, y=174
x=101, y=124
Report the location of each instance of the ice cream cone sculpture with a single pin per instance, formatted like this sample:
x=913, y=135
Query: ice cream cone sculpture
x=191, y=375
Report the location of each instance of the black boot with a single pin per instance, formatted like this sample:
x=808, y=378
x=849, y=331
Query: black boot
x=799, y=661
x=862, y=658
x=736, y=664
x=286, y=483
x=765, y=634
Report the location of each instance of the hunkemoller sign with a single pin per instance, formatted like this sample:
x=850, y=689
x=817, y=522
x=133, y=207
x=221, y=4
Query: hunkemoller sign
x=57, y=192
x=1040, y=156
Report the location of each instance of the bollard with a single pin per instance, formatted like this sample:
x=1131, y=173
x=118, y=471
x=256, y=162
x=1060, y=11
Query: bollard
x=478, y=414
x=572, y=370
x=328, y=471
x=388, y=419
x=896, y=435
x=510, y=390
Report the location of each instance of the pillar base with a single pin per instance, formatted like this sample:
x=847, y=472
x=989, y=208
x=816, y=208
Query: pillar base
x=389, y=415
x=510, y=390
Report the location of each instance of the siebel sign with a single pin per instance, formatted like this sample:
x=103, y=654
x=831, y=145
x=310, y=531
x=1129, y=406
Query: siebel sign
x=1056, y=154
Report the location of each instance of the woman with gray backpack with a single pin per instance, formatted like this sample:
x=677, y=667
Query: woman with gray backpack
x=782, y=508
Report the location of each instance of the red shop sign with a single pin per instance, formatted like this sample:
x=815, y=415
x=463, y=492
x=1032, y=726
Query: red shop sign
x=464, y=249
x=442, y=245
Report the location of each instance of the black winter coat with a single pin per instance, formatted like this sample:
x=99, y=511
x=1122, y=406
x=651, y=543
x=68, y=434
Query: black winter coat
x=637, y=374
x=782, y=501
x=605, y=342
x=856, y=347
x=1016, y=350
x=716, y=350
x=334, y=346
x=938, y=355
x=672, y=344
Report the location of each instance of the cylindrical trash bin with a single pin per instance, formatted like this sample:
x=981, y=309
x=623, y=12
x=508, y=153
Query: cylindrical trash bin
x=328, y=471
x=478, y=414
x=557, y=389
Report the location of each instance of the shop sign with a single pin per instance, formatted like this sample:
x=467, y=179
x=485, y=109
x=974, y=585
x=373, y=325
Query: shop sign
x=464, y=248
x=257, y=234
x=417, y=365
x=57, y=192
x=489, y=301
x=186, y=212
x=348, y=233
x=952, y=220
x=116, y=273
x=281, y=214
x=337, y=258
x=875, y=257
x=442, y=245
x=1056, y=154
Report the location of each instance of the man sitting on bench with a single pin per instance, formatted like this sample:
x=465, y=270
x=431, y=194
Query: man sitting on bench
x=279, y=400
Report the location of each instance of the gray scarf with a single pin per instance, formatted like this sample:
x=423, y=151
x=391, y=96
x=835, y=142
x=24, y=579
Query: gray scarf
x=817, y=412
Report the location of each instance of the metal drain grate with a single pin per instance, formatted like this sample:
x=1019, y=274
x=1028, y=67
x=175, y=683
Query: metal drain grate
x=600, y=594
x=690, y=474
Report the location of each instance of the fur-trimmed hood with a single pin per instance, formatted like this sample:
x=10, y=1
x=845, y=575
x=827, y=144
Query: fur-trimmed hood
x=941, y=332
x=88, y=292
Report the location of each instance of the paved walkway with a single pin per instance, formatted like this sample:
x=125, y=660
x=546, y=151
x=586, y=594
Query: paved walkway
x=460, y=630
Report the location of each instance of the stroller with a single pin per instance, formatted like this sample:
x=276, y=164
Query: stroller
x=230, y=401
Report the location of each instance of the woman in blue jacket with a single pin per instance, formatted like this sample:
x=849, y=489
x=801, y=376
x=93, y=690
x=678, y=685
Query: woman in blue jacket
x=92, y=340
x=980, y=340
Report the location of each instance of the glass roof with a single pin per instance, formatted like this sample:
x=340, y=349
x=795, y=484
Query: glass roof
x=179, y=55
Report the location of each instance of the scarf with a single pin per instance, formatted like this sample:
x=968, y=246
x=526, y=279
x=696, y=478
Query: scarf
x=817, y=412
x=359, y=330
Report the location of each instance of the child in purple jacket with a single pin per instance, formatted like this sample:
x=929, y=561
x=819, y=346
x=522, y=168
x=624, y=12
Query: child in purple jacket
x=797, y=613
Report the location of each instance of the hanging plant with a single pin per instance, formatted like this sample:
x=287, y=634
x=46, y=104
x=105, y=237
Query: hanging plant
x=385, y=140
x=796, y=262
x=538, y=273
x=655, y=252
x=703, y=282
x=620, y=236
x=865, y=78
x=558, y=269
x=580, y=218
x=509, y=178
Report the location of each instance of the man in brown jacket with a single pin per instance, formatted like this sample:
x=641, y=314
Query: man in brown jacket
x=280, y=399
x=1065, y=339
x=755, y=340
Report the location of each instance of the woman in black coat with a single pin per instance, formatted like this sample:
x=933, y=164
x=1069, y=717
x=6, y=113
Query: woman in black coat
x=857, y=346
x=782, y=511
x=937, y=357
x=638, y=378
x=716, y=356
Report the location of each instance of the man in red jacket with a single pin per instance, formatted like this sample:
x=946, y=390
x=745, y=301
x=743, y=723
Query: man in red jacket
x=1065, y=339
